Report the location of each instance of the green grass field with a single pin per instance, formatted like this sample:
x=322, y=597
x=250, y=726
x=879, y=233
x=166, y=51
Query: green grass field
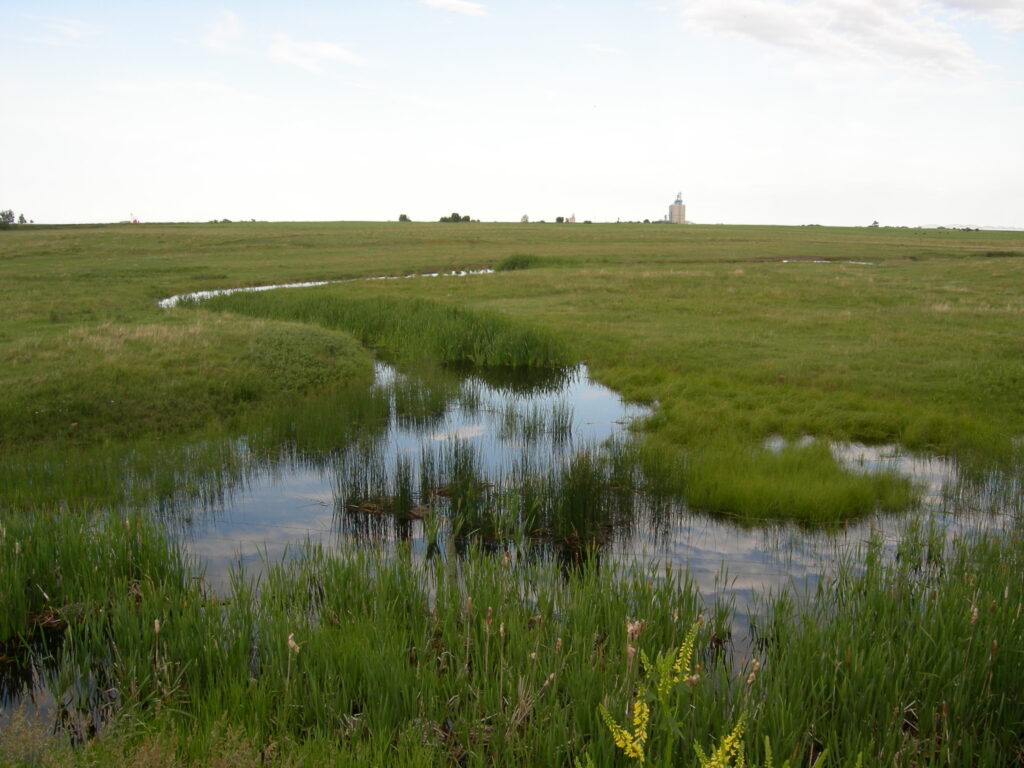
x=922, y=347
x=732, y=334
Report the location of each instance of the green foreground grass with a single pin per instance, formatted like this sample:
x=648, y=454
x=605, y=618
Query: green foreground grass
x=364, y=659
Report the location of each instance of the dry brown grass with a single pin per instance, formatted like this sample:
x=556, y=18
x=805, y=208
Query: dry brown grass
x=27, y=741
x=113, y=339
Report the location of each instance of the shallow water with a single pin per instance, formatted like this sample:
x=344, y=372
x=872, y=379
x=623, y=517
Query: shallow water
x=538, y=424
x=505, y=427
x=173, y=301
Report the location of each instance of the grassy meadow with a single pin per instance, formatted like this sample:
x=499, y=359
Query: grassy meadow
x=921, y=348
x=733, y=334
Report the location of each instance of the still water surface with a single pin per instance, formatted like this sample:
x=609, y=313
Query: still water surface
x=509, y=425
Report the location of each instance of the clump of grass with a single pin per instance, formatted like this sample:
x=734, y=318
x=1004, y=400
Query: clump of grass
x=517, y=261
x=59, y=565
x=410, y=329
x=802, y=483
x=575, y=506
x=530, y=423
x=914, y=650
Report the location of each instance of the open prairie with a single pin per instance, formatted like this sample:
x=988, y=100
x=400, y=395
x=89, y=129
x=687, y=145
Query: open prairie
x=473, y=615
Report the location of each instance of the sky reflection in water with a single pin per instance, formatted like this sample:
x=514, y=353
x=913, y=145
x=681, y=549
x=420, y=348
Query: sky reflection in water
x=277, y=511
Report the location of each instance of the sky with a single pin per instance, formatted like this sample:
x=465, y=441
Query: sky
x=833, y=112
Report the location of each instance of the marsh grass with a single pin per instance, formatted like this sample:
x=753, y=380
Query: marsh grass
x=195, y=471
x=536, y=420
x=915, y=651
x=574, y=505
x=409, y=329
x=378, y=656
x=706, y=321
x=801, y=483
x=475, y=658
x=488, y=659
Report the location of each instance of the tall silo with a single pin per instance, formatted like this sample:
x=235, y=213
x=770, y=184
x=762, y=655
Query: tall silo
x=677, y=211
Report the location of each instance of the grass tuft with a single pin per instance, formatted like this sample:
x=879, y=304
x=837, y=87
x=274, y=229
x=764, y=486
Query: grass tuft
x=411, y=329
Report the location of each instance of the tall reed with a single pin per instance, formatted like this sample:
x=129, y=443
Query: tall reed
x=410, y=328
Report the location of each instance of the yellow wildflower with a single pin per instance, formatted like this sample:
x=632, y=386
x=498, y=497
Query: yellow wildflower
x=630, y=742
x=641, y=718
x=681, y=667
x=729, y=752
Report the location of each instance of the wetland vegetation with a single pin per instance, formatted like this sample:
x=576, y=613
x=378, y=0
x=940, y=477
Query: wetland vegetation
x=455, y=614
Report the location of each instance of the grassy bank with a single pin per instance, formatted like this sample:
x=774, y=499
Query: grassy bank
x=410, y=329
x=173, y=475
x=488, y=660
x=106, y=382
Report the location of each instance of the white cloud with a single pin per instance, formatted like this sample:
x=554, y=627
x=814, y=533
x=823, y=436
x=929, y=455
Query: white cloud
x=1008, y=14
x=907, y=32
x=457, y=6
x=225, y=34
x=311, y=55
x=59, y=30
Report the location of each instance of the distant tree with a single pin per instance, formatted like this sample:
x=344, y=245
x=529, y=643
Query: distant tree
x=874, y=223
x=466, y=218
x=455, y=218
x=647, y=221
x=21, y=219
x=7, y=217
x=559, y=219
x=525, y=219
x=403, y=217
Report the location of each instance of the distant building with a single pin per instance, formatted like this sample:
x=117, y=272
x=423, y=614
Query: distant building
x=677, y=211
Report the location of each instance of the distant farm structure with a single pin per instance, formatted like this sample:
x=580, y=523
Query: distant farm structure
x=677, y=211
